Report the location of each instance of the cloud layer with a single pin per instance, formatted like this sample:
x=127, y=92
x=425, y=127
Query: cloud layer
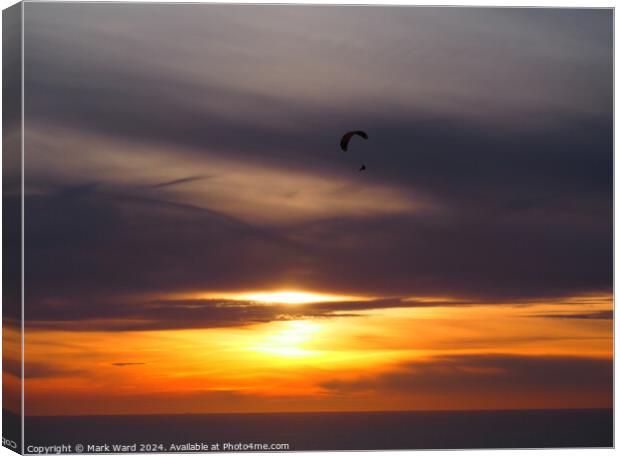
x=189, y=148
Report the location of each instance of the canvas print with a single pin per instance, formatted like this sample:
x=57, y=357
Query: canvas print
x=280, y=228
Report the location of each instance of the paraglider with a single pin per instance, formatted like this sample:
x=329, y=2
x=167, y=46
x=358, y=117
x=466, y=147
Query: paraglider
x=344, y=142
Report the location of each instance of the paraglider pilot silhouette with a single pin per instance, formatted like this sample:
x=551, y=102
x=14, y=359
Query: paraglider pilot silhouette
x=344, y=142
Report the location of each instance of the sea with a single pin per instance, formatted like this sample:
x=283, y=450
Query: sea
x=318, y=431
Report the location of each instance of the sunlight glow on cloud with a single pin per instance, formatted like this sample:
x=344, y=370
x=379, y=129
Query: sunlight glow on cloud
x=283, y=297
x=274, y=194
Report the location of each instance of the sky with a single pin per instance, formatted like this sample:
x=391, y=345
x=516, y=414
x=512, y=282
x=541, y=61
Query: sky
x=196, y=241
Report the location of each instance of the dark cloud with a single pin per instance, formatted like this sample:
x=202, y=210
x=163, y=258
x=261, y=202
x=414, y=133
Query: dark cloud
x=45, y=370
x=600, y=315
x=89, y=251
x=12, y=366
x=124, y=315
x=183, y=180
x=127, y=364
x=491, y=373
x=90, y=241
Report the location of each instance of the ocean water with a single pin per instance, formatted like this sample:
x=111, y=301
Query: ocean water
x=334, y=431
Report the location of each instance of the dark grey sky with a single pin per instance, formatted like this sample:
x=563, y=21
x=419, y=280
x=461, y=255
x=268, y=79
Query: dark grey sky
x=174, y=148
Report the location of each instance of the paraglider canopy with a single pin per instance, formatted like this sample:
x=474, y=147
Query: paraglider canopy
x=344, y=141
